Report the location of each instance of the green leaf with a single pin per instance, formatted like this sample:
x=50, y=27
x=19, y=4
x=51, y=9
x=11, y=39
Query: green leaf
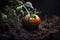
x=29, y=4
x=18, y=10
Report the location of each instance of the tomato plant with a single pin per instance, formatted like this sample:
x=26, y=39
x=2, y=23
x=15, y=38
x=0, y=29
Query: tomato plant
x=31, y=20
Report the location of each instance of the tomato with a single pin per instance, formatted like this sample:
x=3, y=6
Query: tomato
x=31, y=21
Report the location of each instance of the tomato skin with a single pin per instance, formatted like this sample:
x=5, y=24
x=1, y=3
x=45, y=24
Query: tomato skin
x=31, y=22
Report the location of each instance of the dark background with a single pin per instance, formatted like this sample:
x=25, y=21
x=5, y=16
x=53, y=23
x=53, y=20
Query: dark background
x=50, y=7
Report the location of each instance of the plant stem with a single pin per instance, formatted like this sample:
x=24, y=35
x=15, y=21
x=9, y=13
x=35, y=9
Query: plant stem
x=26, y=9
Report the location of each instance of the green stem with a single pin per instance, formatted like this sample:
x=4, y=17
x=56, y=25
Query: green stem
x=26, y=9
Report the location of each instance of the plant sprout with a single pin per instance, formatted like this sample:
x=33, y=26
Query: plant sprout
x=24, y=5
x=31, y=18
x=20, y=12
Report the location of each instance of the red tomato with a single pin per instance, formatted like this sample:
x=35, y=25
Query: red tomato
x=31, y=21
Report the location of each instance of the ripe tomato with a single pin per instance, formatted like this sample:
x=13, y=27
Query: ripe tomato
x=31, y=21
